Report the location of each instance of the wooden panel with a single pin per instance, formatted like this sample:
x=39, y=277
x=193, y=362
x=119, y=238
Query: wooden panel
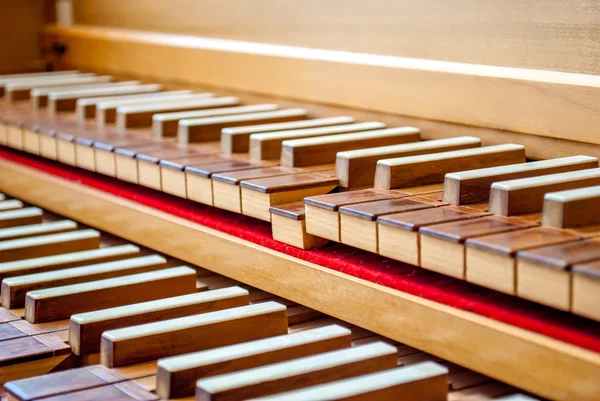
x=532, y=33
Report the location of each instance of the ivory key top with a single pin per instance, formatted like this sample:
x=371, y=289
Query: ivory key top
x=431, y=168
x=473, y=186
x=322, y=150
x=207, y=129
x=426, y=381
x=33, y=230
x=267, y=145
x=152, y=341
x=4, y=79
x=85, y=330
x=14, y=289
x=46, y=245
x=526, y=195
x=572, y=208
x=166, y=124
x=62, y=302
x=176, y=376
x=20, y=90
x=10, y=204
x=237, y=139
x=297, y=373
x=20, y=217
x=39, y=96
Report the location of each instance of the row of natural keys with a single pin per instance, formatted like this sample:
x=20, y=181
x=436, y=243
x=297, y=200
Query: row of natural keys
x=479, y=213
x=87, y=316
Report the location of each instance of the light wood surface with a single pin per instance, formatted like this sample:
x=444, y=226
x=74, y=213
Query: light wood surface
x=192, y=333
x=473, y=186
x=584, y=296
x=298, y=373
x=526, y=195
x=176, y=376
x=431, y=168
x=425, y=381
x=572, y=208
x=544, y=285
x=466, y=337
x=293, y=232
x=62, y=302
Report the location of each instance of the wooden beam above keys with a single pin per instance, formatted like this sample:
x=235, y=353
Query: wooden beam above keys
x=53, y=227
x=62, y=302
x=426, y=381
x=526, y=195
x=176, y=376
x=572, y=208
x=165, y=124
x=66, y=260
x=430, y=169
x=47, y=245
x=85, y=330
x=192, y=333
x=207, y=129
x=267, y=146
x=473, y=186
x=298, y=373
x=14, y=288
x=237, y=139
x=20, y=217
x=323, y=150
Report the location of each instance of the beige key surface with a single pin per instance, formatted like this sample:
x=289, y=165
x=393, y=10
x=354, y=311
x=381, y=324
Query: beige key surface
x=85, y=330
x=431, y=168
x=46, y=245
x=66, y=260
x=267, y=145
x=15, y=288
x=5, y=78
x=176, y=376
x=298, y=373
x=356, y=168
x=426, y=381
x=572, y=208
x=526, y=195
x=585, y=289
x=62, y=302
x=20, y=217
x=32, y=230
x=192, y=333
x=21, y=90
x=237, y=139
x=323, y=150
x=474, y=186
x=39, y=96
x=207, y=129
x=10, y=204
x=165, y=124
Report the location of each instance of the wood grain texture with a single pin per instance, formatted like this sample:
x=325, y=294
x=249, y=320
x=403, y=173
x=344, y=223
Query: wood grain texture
x=572, y=208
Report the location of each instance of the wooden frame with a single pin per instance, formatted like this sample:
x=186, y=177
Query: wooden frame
x=466, y=338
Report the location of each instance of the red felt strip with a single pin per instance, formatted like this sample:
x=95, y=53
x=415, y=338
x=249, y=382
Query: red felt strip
x=413, y=280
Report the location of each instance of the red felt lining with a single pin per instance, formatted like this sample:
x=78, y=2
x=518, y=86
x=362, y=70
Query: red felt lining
x=413, y=280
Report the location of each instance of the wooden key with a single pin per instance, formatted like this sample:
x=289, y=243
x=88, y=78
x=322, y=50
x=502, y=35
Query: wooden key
x=62, y=302
x=490, y=260
x=399, y=236
x=431, y=168
x=5, y=79
x=53, y=227
x=10, y=204
x=39, y=96
x=572, y=208
x=207, y=129
x=14, y=136
x=66, y=260
x=67, y=100
x=516, y=397
x=473, y=186
x=260, y=194
x=86, y=329
x=358, y=225
x=322, y=150
x=47, y=245
x=442, y=245
x=86, y=107
x=523, y=196
x=192, y=333
x=585, y=289
x=21, y=90
x=14, y=289
x=298, y=373
x=426, y=381
x=544, y=274
x=20, y=217
x=322, y=217
x=176, y=376
x=356, y=168
x=123, y=391
x=173, y=176
x=237, y=139
x=267, y=146
x=141, y=115
x=166, y=124
x=288, y=222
